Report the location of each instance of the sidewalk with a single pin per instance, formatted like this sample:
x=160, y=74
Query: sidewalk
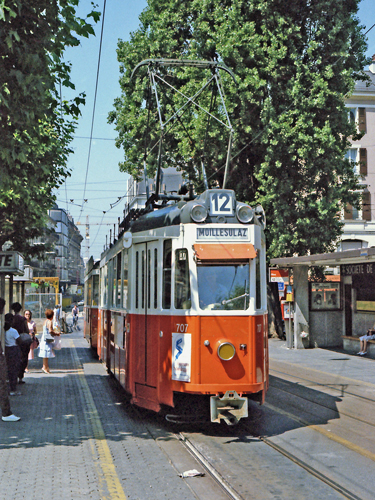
x=333, y=361
x=78, y=438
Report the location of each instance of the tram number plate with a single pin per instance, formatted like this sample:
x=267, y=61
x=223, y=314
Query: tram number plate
x=221, y=204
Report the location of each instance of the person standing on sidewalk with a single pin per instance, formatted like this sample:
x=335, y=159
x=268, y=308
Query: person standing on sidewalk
x=20, y=324
x=12, y=353
x=7, y=415
x=45, y=348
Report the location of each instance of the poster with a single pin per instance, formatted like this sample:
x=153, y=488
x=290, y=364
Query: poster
x=181, y=356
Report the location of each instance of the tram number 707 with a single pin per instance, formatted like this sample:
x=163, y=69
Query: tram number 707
x=181, y=327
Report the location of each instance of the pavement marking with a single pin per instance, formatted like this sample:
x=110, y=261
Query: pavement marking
x=112, y=488
x=328, y=434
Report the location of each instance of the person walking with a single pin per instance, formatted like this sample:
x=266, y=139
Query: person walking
x=75, y=314
x=12, y=353
x=20, y=324
x=7, y=415
x=32, y=332
x=45, y=347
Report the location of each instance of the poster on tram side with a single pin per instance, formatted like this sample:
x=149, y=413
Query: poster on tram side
x=181, y=357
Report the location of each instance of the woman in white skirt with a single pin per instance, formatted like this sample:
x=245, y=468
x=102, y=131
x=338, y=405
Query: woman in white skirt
x=45, y=348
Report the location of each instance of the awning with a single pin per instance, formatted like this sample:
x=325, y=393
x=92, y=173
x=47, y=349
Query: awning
x=224, y=251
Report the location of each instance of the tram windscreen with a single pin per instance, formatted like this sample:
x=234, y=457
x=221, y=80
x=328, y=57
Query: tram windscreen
x=224, y=287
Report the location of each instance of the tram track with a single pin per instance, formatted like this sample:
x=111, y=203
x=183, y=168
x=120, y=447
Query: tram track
x=341, y=412
x=320, y=384
x=233, y=494
x=328, y=407
x=212, y=471
x=332, y=482
x=311, y=470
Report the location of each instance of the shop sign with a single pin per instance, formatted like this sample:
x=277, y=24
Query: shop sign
x=357, y=269
x=11, y=263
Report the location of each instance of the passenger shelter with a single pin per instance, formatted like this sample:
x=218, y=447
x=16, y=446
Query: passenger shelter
x=332, y=314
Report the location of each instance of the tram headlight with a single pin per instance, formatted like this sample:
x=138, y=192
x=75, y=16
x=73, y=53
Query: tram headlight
x=226, y=351
x=198, y=213
x=245, y=214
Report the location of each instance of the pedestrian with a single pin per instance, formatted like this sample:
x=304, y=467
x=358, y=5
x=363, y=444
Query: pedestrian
x=32, y=332
x=57, y=317
x=63, y=322
x=7, y=415
x=75, y=314
x=12, y=353
x=20, y=324
x=45, y=347
x=370, y=335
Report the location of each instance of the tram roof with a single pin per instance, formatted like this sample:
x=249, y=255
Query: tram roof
x=360, y=255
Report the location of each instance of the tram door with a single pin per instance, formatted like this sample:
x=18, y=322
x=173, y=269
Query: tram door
x=146, y=339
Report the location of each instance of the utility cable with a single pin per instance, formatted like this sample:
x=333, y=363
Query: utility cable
x=93, y=111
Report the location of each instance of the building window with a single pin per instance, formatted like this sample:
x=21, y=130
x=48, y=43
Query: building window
x=358, y=116
x=352, y=156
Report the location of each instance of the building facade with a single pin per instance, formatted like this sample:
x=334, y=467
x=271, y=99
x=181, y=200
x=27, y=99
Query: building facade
x=359, y=225
x=65, y=261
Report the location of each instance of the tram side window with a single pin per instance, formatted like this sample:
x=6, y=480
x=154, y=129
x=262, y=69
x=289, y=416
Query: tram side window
x=104, y=286
x=95, y=290
x=149, y=279
x=88, y=291
x=136, y=279
x=125, y=280
x=155, y=278
x=118, y=284
x=167, y=272
x=143, y=278
x=258, y=290
x=114, y=274
x=182, y=298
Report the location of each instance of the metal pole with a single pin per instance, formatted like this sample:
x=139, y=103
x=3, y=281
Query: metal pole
x=2, y=294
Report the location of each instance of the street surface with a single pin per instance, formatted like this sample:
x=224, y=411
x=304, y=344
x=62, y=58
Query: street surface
x=80, y=438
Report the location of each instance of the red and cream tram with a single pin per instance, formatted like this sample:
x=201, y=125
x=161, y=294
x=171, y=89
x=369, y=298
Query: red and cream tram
x=182, y=305
x=91, y=312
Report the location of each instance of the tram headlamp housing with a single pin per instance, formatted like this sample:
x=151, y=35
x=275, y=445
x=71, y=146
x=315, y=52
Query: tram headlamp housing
x=245, y=214
x=198, y=213
x=226, y=351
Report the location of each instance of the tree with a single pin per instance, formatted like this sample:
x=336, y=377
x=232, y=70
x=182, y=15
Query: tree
x=295, y=67
x=36, y=126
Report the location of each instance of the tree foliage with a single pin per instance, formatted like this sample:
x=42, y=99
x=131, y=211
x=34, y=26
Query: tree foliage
x=36, y=126
x=295, y=66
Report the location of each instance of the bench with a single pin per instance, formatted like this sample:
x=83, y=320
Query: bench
x=351, y=345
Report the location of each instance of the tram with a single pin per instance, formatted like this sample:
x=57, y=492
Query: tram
x=176, y=308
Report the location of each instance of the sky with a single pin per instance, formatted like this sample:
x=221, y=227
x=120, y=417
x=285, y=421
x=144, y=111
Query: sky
x=95, y=174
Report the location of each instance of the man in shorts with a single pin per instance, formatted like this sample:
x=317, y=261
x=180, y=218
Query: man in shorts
x=364, y=339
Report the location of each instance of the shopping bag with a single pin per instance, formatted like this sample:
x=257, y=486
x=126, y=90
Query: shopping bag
x=56, y=345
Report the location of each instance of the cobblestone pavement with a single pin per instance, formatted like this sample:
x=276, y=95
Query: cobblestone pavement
x=78, y=438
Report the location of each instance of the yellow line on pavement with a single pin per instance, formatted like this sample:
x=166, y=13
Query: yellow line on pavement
x=111, y=489
x=328, y=434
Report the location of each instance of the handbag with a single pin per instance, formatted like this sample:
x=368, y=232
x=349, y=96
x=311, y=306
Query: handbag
x=35, y=343
x=49, y=338
x=26, y=340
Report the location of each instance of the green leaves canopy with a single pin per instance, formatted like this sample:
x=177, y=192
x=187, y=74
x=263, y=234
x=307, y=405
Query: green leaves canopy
x=35, y=126
x=295, y=64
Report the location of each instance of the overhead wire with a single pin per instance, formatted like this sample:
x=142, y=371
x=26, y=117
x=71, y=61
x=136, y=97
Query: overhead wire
x=93, y=111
